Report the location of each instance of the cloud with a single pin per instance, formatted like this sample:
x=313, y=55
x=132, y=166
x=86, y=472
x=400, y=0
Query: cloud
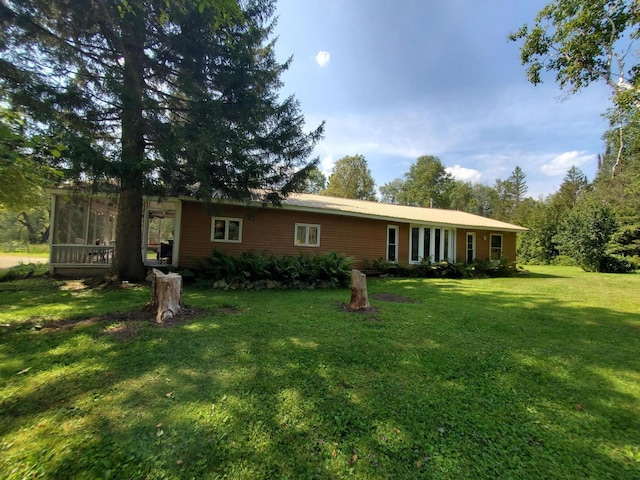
x=560, y=164
x=322, y=58
x=464, y=174
x=326, y=166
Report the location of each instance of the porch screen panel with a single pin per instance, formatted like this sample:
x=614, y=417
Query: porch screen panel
x=100, y=222
x=70, y=221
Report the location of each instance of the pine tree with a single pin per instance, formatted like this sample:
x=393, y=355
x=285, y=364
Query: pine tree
x=159, y=96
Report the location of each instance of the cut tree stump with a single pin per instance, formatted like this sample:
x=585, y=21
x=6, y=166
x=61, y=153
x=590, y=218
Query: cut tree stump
x=166, y=295
x=359, y=296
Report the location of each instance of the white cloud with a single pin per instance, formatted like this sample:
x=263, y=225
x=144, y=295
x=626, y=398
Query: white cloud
x=560, y=164
x=464, y=174
x=326, y=166
x=322, y=58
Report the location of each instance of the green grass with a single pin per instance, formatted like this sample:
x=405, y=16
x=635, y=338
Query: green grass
x=526, y=377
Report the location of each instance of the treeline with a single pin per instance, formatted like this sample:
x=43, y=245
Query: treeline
x=595, y=225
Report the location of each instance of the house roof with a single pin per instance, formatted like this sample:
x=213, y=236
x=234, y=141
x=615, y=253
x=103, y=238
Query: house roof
x=395, y=213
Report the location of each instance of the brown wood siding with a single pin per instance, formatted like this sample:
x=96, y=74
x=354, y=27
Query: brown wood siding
x=272, y=230
x=483, y=244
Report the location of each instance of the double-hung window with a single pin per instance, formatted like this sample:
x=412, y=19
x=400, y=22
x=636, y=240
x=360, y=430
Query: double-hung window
x=496, y=247
x=224, y=229
x=307, y=235
x=392, y=243
x=471, y=247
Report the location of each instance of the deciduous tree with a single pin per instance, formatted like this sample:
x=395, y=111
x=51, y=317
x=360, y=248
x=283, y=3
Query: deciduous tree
x=351, y=178
x=427, y=183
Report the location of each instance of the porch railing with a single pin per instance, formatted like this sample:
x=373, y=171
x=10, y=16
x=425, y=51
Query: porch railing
x=81, y=254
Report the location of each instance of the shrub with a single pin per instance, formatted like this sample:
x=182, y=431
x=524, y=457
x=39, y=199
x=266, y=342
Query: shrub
x=25, y=270
x=616, y=264
x=263, y=270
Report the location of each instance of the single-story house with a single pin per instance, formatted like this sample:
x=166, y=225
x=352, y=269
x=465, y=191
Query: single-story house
x=179, y=231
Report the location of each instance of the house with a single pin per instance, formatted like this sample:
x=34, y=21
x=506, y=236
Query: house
x=179, y=231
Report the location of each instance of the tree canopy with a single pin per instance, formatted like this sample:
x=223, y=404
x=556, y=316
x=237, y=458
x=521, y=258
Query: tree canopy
x=157, y=96
x=351, y=178
x=427, y=183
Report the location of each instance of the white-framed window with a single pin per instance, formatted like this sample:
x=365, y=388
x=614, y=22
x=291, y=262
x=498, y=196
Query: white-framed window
x=496, y=246
x=392, y=243
x=471, y=247
x=430, y=243
x=307, y=235
x=225, y=229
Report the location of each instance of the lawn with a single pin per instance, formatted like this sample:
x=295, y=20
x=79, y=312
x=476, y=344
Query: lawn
x=531, y=377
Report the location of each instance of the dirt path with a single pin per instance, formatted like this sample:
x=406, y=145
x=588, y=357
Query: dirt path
x=8, y=261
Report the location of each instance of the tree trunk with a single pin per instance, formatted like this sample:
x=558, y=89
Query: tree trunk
x=166, y=295
x=128, y=263
x=359, y=296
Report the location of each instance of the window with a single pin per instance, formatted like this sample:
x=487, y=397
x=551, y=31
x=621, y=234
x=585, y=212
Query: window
x=392, y=243
x=496, y=247
x=226, y=229
x=307, y=235
x=432, y=244
x=471, y=247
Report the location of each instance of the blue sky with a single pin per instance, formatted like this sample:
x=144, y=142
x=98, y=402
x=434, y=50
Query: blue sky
x=404, y=78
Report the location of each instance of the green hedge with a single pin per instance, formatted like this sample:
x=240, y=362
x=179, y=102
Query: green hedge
x=253, y=270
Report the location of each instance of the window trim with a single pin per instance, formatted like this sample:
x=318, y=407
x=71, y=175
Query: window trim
x=305, y=242
x=226, y=221
x=395, y=245
x=439, y=238
x=474, y=255
x=498, y=235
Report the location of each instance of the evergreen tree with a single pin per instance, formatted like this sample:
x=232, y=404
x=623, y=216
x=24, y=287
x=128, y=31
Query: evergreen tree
x=161, y=96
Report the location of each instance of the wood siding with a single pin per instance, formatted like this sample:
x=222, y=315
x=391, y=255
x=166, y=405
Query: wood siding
x=272, y=230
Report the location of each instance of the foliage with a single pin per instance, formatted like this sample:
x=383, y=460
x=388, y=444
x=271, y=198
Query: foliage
x=24, y=270
x=585, y=234
x=29, y=224
x=351, y=178
x=252, y=270
x=478, y=379
x=157, y=97
x=316, y=182
x=510, y=192
x=583, y=42
x=23, y=163
x=444, y=269
x=427, y=183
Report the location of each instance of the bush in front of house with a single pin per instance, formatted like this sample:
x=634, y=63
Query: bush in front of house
x=254, y=270
x=444, y=269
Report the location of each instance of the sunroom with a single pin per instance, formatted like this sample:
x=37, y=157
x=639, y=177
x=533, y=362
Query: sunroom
x=83, y=233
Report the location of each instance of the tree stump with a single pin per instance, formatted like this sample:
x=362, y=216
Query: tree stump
x=359, y=296
x=166, y=295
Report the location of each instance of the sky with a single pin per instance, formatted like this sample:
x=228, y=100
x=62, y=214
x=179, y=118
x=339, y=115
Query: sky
x=397, y=79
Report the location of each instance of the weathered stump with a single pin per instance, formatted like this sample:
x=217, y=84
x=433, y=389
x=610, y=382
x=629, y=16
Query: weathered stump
x=359, y=296
x=166, y=295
